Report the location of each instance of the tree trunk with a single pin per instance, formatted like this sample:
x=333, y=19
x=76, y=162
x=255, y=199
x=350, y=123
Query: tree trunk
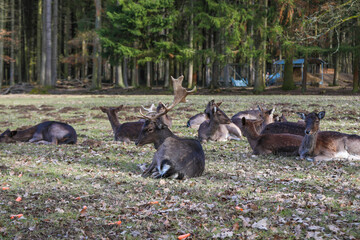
x=263, y=79
x=96, y=75
x=134, y=77
x=19, y=57
x=2, y=10
x=191, y=46
x=148, y=74
x=304, y=80
x=356, y=54
x=43, y=45
x=48, y=76
x=125, y=72
x=251, y=60
x=67, y=30
x=336, y=68
x=54, y=44
x=12, y=47
x=288, y=83
x=216, y=69
x=119, y=80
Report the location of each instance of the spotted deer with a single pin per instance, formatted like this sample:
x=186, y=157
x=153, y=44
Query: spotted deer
x=125, y=132
x=175, y=157
x=326, y=145
x=263, y=144
x=219, y=127
x=49, y=132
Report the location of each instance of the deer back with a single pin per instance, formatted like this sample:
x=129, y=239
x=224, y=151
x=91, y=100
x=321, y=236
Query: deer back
x=197, y=120
x=284, y=127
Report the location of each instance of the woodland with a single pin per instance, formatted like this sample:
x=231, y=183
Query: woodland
x=131, y=44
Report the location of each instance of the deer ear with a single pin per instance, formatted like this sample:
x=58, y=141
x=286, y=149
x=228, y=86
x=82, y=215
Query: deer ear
x=272, y=111
x=119, y=108
x=301, y=115
x=13, y=133
x=218, y=104
x=260, y=108
x=321, y=115
x=243, y=121
x=103, y=109
x=215, y=110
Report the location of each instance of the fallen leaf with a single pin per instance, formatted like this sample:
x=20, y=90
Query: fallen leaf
x=262, y=224
x=239, y=208
x=5, y=188
x=184, y=236
x=16, y=216
x=83, y=211
x=18, y=199
x=115, y=223
x=154, y=202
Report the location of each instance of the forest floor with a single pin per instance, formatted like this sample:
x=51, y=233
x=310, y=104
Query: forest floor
x=82, y=191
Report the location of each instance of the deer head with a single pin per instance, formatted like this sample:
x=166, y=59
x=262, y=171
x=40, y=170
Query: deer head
x=216, y=114
x=7, y=136
x=154, y=129
x=312, y=121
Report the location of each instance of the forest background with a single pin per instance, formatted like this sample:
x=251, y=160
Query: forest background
x=132, y=44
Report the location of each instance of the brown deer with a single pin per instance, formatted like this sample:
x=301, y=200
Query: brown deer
x=219, y=127
x=263, y=144
x=175, y=157
x=284, y=127
x=267, y=117
x=197, y=120
x=326, y=145
x=160, y=108
x=49, y=132
x=126, y=132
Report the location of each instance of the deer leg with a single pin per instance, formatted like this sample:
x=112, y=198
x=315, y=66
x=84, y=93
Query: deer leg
x=36, y=137
x=149, y=170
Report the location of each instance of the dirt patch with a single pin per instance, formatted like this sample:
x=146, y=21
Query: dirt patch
x=186, y=109
x=68, y=109
x=74, y=120
x=99, y=116
x=92, y=143
x=5, y=124
x=46, y=108
x=24, y=107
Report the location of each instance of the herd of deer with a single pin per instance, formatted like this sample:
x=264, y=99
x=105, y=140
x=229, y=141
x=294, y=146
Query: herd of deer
x=178, y=157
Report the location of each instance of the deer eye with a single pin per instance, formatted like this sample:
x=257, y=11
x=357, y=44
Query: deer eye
x=150, y=130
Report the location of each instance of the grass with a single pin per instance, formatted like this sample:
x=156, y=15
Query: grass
x=299, y=199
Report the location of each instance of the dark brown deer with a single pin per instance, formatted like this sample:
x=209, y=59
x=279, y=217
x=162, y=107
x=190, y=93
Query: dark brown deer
x=285, y=127
x=175, y=157
x=197, y=120
x=160, y=108
x=219, y=127
x=326, y=145
x=126, y=132
x=49, y=132
x=263, y=144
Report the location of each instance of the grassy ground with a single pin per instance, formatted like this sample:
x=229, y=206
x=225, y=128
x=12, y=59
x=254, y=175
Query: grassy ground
x=82, y=191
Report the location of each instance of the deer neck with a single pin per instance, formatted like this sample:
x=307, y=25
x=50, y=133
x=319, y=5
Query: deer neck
x=214, y=126
x=24, y=135
x=252, y=136
x=309, y=142
x=114, y=121
x=162, y=136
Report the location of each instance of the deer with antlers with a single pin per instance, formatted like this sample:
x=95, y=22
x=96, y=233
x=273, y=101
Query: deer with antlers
x=126, y=132
x=160, y=108
x=219, y=126
x=326, y=145
x=175, y=157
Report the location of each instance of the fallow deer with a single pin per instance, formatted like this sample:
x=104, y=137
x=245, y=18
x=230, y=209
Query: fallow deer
x=49, y=132
x=219, y=127
x=197, y=120
x=175, y=157
x=267, y=117
x=126, y=132
x=160, y=108
x=326, y=145
x=263, y=144
x=284, y=127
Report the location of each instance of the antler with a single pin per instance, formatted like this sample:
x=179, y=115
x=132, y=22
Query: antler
x=151, y=109
x=180, y=94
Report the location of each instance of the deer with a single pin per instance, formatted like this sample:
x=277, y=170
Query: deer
x=175, y=157
x=267, y=117
x=196, y=120
x=161, y=107
x=219, y=126
x=126, y=132
x=326, y=145
x=49, y=132
x=269, y=143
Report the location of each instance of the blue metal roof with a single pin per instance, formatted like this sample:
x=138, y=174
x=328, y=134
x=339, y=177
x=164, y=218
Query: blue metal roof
x=301, y=61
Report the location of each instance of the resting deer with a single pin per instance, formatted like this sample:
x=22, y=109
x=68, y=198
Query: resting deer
x=175, y=157
x=197, y=120
x=126, y=132
x=284, y=127
x=267, y=117
x=49, y=132
x=160, y=108
x=326, y=145
x=219, y=127
x=263, y=144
